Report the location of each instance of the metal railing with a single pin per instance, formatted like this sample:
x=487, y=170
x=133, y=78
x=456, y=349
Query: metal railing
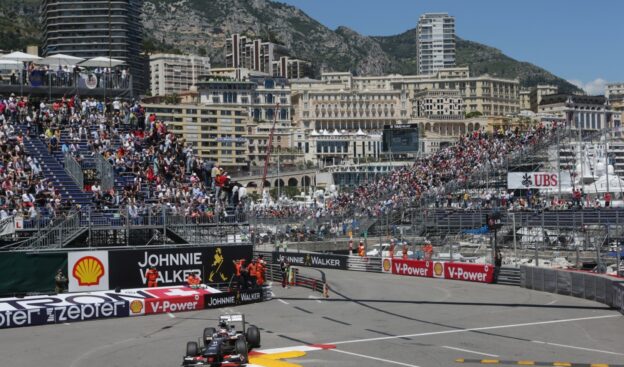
x=61, y=231
x=73, y=168
x=105, y=171
x=56, y=79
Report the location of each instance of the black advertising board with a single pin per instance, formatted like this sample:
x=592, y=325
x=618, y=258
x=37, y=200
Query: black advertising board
x=214, y=264
x=216, y=300
x=328, y=261
x=400, y=138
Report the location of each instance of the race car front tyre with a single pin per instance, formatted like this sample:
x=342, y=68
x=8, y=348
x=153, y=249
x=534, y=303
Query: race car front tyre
x=208, y=333
x=192, y=349
x=241, y=348
x=253, y=337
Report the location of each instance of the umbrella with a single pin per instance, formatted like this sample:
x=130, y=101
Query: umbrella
x=101, y=62
x=61, y=60
x=10, y=64
x=20, y=56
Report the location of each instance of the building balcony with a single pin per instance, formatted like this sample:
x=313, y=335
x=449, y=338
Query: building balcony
x=43, y=83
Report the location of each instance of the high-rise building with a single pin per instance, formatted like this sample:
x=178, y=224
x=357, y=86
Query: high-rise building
x=95, y=28
x=290, y=68
x=435, y=42
x=253, y=54
x=171, y=74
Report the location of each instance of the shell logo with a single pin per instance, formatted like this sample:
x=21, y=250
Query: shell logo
x=136, y=306
x=438, y=269
x=387, y=264
x=88, y=271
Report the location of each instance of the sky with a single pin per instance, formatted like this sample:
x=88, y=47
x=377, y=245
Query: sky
x=578, y=40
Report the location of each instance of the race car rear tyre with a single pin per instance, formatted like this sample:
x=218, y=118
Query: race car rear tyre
x=241, y=348
x=208, y=333
x=253, y=336
x=192, y=349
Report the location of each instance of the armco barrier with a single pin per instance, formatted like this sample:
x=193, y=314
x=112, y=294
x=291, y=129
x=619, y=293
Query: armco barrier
x=72, y=307
x=482, y=273
x=603, y=289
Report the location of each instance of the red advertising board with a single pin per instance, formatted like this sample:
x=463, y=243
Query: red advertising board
x=415, y=268
x=175, y=299
x=483, y=273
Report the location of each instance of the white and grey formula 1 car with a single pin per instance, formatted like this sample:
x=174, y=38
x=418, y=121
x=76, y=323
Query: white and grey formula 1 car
x=227, y=345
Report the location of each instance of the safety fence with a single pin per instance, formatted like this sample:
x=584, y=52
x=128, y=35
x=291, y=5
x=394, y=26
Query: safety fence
x=603, y=289
x=294, y=278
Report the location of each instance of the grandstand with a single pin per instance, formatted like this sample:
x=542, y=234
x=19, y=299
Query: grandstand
x=79, y=177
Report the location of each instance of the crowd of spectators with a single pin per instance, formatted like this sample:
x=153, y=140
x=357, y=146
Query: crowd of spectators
x=23, y=188
x=160, y=169
x=430, y=175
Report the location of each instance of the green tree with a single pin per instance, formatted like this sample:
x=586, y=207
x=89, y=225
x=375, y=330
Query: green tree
x=472, y=114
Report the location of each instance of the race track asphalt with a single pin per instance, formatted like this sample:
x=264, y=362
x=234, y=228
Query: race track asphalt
x=372, y=319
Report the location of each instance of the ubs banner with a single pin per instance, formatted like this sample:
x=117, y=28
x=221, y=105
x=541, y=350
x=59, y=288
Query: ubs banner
x=328, y=261
x=537, y=180
x=214, y=264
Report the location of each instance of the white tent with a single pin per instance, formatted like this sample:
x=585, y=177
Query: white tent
x=101, y=62
x=20, y=56
x=616, y=184
x=11, y=65
x=60, y=60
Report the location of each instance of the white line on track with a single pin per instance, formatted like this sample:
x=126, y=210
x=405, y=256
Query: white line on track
x=315, y=298
x=579, y=348
x=552, y=302
x=373, y=358
x=457, y=331
x=284, y=302
x=171, y=315
x=66, y=323
x=469, y=351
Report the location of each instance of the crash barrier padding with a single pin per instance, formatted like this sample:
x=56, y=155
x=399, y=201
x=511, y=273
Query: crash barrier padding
x=73, y=307
x=313, y=260
x=87, y=271
x=482, y=273
x=595, y=287
x=22, y=273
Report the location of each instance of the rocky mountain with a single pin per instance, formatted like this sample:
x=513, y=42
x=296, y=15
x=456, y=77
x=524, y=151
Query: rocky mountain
x=19, y=24
x=201, y=26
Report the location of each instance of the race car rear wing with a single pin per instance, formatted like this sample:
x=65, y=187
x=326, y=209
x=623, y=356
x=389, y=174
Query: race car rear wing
x=239, y=318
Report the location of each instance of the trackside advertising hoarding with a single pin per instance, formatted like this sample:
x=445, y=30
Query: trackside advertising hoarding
x=483, y=273
x=328, y=261
x=64, y=308
x=214, y=265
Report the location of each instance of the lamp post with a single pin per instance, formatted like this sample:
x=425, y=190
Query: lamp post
x=608, y=133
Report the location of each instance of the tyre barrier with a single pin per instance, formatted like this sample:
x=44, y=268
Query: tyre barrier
x=73, y=307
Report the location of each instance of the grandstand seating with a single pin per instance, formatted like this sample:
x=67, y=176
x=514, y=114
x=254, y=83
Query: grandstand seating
x=53, y=171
